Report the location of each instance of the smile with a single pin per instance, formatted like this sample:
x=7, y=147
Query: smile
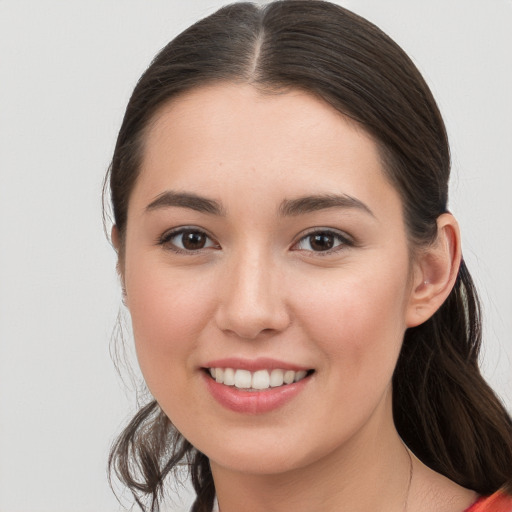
x=258, y=380
x=255, y=387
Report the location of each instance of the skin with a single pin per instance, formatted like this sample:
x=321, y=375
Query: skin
x=258, y=288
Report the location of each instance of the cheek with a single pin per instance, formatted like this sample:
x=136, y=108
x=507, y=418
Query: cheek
x=168, y=311
x=358, y=319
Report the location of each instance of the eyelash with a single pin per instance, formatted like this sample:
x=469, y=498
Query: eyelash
x=343, y=240
x=166, y=240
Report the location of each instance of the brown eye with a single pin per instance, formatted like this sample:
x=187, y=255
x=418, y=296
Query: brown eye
x=193, y=240
x=187, y=240
x=322, y=241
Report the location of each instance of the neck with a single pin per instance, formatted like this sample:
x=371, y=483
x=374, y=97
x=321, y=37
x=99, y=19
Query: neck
x=371, y=471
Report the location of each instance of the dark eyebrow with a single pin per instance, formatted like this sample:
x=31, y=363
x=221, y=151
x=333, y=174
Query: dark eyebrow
x=308, y=204
x=186, y=200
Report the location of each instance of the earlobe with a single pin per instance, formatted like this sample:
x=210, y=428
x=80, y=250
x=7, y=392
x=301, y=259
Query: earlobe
x=435, y=272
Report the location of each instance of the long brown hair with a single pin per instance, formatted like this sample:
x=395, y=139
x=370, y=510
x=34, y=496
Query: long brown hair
x=443, y=409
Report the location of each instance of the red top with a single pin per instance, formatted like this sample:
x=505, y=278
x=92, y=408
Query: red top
x=498, y=502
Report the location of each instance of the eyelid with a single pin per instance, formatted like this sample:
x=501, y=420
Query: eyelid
x=346, y=240
x=165, y=238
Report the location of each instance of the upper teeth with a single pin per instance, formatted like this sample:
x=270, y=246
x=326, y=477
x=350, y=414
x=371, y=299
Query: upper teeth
x=261, y=379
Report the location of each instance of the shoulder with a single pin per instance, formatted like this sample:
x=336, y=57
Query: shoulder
x=497, y=502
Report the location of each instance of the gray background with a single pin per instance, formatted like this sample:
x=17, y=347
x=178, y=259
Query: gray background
x=66, y=71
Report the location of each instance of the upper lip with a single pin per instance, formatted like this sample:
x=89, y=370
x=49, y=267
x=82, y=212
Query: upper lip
x=252, y=365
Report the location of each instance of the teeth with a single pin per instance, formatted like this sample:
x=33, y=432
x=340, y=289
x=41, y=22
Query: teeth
x=229, y=377
x=243, y=379
x=261, y=379
x=289, y=376
x=276, y=378
x=300, y=375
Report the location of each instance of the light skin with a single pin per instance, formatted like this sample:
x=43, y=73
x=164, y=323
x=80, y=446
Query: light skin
x=296, y=251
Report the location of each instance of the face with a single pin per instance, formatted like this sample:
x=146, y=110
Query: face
x=264, y=246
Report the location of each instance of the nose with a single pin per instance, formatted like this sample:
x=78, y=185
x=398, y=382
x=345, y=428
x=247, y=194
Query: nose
x=252, y=298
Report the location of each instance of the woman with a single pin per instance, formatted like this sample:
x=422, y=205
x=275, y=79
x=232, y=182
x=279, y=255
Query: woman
x=301, y=310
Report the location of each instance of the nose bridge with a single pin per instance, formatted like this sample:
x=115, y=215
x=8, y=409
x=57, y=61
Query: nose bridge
x=251, y=299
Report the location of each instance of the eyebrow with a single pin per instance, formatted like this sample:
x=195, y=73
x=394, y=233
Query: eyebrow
x=288, y=208
x=308, y=204
x=186, y=200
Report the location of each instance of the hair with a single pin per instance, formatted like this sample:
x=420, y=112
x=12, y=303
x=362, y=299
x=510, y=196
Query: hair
x=443, y=409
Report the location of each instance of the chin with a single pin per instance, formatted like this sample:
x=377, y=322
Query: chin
x=266, y=454
x=258, y=463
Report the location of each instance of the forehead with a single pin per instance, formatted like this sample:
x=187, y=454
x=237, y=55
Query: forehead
x=226, y=112
x=221, y=135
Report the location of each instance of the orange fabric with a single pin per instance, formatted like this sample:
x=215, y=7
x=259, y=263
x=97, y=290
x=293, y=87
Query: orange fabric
x=498, y=502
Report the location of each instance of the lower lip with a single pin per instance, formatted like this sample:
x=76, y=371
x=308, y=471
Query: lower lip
x=254, y=402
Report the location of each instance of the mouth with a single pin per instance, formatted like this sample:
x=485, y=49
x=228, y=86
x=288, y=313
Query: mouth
x=256, y=386
x=259, y=380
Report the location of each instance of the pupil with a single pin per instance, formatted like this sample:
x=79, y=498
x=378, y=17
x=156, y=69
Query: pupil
x=322, y=242
x=193, y=240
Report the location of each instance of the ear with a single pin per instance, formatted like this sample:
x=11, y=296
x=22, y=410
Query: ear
x=435, y=271
x=115, y=236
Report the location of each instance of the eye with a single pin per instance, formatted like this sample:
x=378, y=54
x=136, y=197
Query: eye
x=322, y=241
x=187, y=240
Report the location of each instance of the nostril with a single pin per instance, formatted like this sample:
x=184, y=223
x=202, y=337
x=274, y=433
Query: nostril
x=252, y=323
x=251, y=305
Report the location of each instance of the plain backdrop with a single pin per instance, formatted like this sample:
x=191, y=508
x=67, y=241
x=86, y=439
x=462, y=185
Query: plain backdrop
x=67, y=69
